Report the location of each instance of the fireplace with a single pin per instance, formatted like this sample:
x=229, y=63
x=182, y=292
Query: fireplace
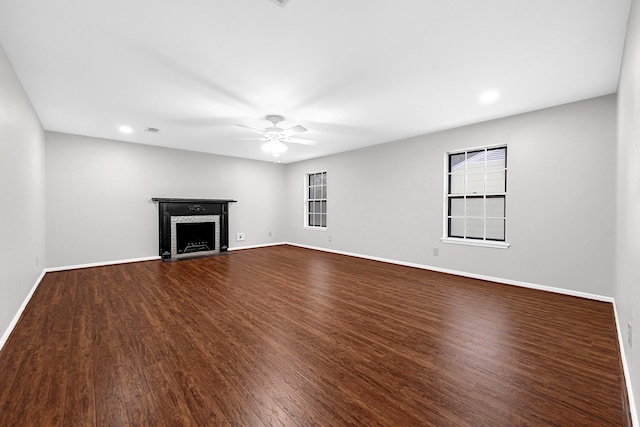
x=194, y=237
x=194, y=234
x=192, y=227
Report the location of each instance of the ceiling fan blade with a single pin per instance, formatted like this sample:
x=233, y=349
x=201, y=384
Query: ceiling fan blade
x=301, y=141
x=252, y=129
x=294, y=130
x=253, y=139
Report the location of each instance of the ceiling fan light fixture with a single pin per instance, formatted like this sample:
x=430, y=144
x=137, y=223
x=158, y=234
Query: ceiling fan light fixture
x=281, y=2
x=274, y=147
x=275, y=136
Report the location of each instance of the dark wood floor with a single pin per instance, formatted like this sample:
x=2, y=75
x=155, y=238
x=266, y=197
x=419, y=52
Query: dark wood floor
x=290, y=336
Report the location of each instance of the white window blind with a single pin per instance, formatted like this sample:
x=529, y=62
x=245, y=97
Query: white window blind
x=477, y=194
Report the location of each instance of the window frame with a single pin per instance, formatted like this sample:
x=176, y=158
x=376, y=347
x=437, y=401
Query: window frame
x=307, y=200
x=465, y=240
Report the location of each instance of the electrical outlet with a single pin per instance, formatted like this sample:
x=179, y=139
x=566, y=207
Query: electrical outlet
x=239, y=237
x=37, y=261
x=270, y=234
x=629, y=334
x=436, y=251
x=330, y=238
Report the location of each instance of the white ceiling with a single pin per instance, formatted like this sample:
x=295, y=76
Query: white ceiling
x=354, y=72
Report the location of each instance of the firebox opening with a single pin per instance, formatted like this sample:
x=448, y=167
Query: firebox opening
x=195, y=237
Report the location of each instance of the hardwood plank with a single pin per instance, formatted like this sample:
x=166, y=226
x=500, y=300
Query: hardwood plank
x=290, y=336
x=80, y=399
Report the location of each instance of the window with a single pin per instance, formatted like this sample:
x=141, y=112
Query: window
x=476, y=196
x=316, y=200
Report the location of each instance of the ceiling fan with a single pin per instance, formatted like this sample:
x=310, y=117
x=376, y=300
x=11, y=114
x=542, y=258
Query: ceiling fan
x=275, y=137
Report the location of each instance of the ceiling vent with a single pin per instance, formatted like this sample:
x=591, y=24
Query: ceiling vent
x=152, y=130
x=282, y=3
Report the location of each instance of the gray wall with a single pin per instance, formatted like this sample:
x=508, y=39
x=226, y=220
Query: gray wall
x=22, y=195
x=387, y=201
x=627, y=289
x=99, y=192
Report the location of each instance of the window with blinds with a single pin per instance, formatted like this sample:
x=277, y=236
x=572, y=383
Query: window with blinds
x=316, y=200
x=476, y=197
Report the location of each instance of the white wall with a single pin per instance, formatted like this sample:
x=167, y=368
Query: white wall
x=99, y=192
x=627, y=290
x=22, y=195
x=387, y=201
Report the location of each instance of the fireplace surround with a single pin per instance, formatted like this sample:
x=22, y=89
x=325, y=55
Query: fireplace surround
x=192, y=227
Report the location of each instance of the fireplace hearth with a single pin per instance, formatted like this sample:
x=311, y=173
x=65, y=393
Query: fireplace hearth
x=192, y=227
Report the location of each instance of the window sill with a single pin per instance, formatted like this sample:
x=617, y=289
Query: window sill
x=481, y=243
x=306, y=227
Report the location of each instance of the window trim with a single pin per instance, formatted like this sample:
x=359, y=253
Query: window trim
x=497, y=244
x=470, y=242
x=305, y=223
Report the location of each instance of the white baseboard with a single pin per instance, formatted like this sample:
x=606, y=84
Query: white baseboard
x=374, y=258
x=15, y=319
x=465, y=274
x=101, y=264
x=239, y=248
x=149, y=258
x=625, y=368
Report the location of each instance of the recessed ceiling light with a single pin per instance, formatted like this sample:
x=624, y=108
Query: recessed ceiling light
x=489, y=96
x=125, y=129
